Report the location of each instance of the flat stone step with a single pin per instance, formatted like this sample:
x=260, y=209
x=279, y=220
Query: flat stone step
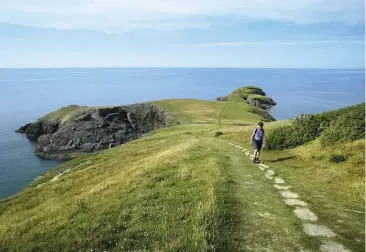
x=268, y=176
x=264, y=166
x=261, y=168
x=279, y=187
x=295, y=202
x=289, y=195
x=317, y=230
x=279, y=180
x=305, y=214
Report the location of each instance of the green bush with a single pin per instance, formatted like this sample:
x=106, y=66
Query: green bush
x=307, y=128
x=334, y=114
x=301, y=131
x=348, y=127
x=336, y=158
x=343, y=125
x=280, y=138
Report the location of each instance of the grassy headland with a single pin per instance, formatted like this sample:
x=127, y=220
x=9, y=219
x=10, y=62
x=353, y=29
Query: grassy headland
x=180, y=190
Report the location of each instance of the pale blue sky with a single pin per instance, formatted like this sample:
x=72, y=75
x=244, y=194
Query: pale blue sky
x=182, y=33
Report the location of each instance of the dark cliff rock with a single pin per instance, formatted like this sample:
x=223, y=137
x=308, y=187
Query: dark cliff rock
x=23, y=128
x=35, y=130
x=94, y=129
x=223, y=98
x=266, y=104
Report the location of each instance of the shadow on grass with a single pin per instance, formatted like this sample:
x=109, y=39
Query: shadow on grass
x=282, y=159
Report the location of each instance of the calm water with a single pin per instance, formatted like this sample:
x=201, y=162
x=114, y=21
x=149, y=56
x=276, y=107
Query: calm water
x=26, y=94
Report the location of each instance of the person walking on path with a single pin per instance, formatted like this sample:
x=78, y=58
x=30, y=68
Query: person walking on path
x=258, y=141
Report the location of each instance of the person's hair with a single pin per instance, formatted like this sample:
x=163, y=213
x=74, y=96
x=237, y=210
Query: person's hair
x=260, y=124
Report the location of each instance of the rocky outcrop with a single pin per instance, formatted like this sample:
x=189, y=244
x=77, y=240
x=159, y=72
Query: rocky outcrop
x=23, y=128
x=35, y=130
x=94, y=129
x=223, y=98
x=252, y=95
x=262, y=104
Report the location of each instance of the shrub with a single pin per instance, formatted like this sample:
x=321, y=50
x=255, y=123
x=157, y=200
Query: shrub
x=218, y=133
x=348, y=127
x=307, y=128
x=343, y=125
x=334, y=114
x=301, y=131
x=336, y=158
x=278, y=138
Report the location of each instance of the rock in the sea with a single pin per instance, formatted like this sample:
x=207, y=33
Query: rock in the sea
x=23, y=128
x=94, y=129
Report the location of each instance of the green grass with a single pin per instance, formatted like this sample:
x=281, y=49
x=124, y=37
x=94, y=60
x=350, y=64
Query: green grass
x=180, y=190
x=176, y=190
x=338, y=126
x=164, y=196
x=187, y=111
x=190, y=111
x=334, y=190
x=249, y=90
x=65, y=113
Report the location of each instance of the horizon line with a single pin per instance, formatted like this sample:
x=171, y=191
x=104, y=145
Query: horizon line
x=216, y=67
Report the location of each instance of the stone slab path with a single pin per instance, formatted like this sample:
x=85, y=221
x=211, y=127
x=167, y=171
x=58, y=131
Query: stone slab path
x=301, y=208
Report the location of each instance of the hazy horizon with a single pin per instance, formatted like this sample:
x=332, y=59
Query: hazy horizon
x=218, y=67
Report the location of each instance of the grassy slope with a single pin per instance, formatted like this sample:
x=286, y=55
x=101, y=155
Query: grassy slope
x=334, y=190
x=212, y=112
x=178, y=190
x=134, y=204
x=64, y=113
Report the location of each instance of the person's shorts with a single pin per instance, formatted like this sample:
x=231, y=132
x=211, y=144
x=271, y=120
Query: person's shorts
x=258, y=144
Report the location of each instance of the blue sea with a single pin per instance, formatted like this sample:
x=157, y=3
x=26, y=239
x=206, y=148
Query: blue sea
x=27, y=94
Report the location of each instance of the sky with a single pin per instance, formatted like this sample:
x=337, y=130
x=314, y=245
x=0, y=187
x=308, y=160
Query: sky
x=182, y=33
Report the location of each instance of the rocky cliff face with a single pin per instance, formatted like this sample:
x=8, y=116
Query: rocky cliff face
x=94, y=129
x=265, y=105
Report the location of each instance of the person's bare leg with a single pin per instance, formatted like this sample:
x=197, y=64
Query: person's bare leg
x=255, y=154
x=258, y=153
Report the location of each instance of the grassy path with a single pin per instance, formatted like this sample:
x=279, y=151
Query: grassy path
x=273, y=218
x=262, y=222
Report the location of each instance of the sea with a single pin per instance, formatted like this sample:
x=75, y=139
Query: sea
x=27, y=94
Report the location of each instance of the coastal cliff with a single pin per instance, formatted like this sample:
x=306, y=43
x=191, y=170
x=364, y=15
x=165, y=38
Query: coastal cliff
x=72, y=131
x=252, y=95
x=76, y=130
